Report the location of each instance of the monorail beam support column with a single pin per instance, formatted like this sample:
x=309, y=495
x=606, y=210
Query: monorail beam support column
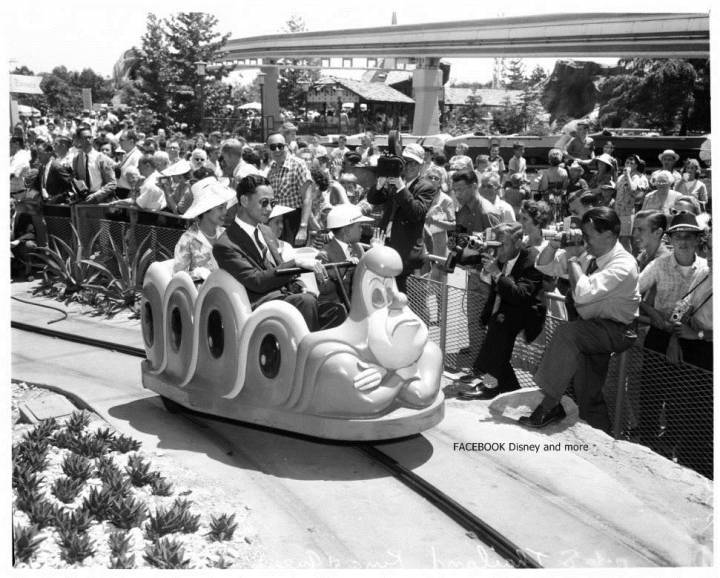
x=271, y=100
x=427, y=92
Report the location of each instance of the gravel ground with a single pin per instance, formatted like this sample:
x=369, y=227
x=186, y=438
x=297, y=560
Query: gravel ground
x=242, y=551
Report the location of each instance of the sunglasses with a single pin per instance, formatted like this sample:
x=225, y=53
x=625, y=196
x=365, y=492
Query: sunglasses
x=674, y=212
x=265, y=202
x=276, y=147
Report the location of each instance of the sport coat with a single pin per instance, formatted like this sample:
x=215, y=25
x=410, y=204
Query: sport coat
x=407, y=210
x=235, y=252
x=58, y=183
x=332, y=252
x=105, y=190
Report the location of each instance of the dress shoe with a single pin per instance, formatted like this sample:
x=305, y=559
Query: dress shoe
x=479, y=392
x=542, y=417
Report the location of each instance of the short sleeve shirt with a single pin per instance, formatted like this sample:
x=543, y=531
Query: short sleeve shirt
x=287, y=181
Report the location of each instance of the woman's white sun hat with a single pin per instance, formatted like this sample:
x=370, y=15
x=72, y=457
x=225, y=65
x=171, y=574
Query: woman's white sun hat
x=207, y=194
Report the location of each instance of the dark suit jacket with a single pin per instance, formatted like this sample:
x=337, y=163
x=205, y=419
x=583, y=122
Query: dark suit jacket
x=521, y=297
x=104, y=191
x=58, y=183
x=332, y=253
x=407, y=210
x=235, y=252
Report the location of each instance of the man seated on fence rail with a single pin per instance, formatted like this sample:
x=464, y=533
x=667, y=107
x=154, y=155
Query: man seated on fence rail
x=604, y=287
x=515, y=304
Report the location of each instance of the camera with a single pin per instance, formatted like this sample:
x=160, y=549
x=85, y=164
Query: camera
x=476, y=242
x=681, y=311
x=570, y=238
x=390, y=166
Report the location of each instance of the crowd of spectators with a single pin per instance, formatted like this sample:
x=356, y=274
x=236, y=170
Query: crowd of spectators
x=647, y=233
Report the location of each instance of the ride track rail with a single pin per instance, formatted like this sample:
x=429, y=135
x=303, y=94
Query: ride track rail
x=502, y=545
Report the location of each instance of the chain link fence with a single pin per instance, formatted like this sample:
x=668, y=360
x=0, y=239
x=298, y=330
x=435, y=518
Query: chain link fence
x=667, y=407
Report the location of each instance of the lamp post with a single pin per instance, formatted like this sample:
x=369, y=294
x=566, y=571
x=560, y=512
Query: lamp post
x=261, y=83
x=201, y=70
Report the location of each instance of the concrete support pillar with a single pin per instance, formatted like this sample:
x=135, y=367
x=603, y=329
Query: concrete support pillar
x=270, y=98
x=427, y=92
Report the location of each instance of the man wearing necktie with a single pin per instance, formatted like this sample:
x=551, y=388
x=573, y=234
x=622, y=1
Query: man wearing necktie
x=515, y=303
x=604, y=283
x=94, y=169
x=248, y=250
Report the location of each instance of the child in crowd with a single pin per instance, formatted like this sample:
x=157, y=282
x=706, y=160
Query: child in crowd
x=517, y=163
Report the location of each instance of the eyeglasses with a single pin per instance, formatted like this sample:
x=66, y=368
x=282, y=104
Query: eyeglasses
x=276, y=146
x=674, y=212
x=265, y=202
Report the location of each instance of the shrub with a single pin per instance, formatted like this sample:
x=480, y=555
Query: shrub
x=67, y=489
x=222, y=527
x=25, y=542
x=166, y=554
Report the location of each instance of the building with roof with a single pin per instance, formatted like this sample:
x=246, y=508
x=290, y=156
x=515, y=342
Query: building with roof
x=488, y=99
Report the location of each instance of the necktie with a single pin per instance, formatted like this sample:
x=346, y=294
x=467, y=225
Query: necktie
x=87, y=172
x=592, y=266
x=261, y=246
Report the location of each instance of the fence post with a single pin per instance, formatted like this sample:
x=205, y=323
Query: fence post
x=620, y=395
x=443, y=316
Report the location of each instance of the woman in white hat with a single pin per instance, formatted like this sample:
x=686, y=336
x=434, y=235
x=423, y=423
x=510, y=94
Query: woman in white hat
x=275, y=222
x=193, y=252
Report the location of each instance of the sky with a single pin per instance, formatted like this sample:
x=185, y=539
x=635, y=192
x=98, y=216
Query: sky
x=81, y=34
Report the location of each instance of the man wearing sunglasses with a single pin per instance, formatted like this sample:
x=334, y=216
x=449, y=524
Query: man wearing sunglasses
x=290, y=179
x=248, y=250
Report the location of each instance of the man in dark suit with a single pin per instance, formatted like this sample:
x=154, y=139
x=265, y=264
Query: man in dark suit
x=93, y=170
x=54, y=179
x=406, y=200
x=248, y=250
x=515, y=304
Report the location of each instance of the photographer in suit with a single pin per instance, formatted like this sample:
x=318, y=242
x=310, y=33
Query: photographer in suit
x=515, y=303
x=406, y=200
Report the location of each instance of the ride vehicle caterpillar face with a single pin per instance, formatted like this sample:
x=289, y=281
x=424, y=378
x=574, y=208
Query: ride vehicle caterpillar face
x=376, y=376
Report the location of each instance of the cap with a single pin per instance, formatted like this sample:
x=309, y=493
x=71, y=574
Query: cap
x=684, y=221
x=414, y=152
x=344, y=215
x=207, y=194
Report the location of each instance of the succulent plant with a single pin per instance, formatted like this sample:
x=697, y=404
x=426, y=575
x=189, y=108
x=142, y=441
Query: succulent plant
x=42, y=513
x=31, y=454
x=26, y=480
x=222, y=528
x=124, y=444
x=175, y=519
x=127, y=512
x=119, y=542
x=77, y=520
x=64, y=439
x=91, y=446
x=75, y=547
x=106, y=468
x=220, y=562
x=138, y=471
x=166, y=553
x=78, y=421
x=77, y=467
x=43, y=430
x=25, y=542
x=97, y=503
x=160, y=486
x=67, y=489
x=124, y=562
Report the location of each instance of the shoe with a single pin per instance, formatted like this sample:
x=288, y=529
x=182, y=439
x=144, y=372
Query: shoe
x=480, y=392
x=542, y=417
x=470, y=378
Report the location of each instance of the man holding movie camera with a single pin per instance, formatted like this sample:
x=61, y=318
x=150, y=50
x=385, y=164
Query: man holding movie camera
x=405, y=199
x=604, y=287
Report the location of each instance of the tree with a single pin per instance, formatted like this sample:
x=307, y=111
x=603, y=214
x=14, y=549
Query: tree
x=515, y=75
x=291, y=93
x=62, y=96
x=649, y=93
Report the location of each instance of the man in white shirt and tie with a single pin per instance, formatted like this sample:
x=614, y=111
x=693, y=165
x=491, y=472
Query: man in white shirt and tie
x=94, y=169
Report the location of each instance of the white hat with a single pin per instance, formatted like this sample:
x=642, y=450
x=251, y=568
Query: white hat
x=207, y=194
x=345, y=214
x=414, y=152
x=279, y=210
x=669, y=153
x=178, y=168
x=605, y=158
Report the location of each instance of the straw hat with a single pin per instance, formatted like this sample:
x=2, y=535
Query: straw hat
x=669, y=153
x=344, y=215
x=207, y=194
x=279, y=210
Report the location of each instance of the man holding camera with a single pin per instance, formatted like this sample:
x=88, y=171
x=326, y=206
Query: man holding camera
x=405, y=199
x=515, y=303
x=604, y=287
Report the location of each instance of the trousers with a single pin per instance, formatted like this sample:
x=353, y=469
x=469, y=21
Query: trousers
x=579, y=353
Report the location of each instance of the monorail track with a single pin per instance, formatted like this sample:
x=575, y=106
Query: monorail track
x=503, y=546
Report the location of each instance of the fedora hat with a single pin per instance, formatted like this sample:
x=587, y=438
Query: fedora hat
x=669, y=153
x=344, y=215
x=684, y=221
x=207, y=194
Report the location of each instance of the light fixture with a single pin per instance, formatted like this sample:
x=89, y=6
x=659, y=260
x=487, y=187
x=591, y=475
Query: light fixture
x=201, y=67
x=261, y=78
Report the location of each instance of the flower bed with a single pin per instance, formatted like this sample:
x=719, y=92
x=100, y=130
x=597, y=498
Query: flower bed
x=86, y=496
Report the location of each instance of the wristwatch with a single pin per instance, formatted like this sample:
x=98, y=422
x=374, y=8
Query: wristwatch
x=701, y=335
